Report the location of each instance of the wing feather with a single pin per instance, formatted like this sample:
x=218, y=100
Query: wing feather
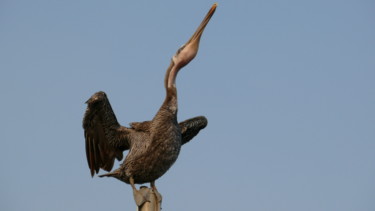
x=191, y=127
x=105, y=138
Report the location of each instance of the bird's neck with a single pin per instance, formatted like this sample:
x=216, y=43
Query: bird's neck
x=168, y=72
x=170, y=103
x=168, y=110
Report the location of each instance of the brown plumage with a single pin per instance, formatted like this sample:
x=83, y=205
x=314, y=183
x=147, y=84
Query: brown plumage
x=153, y=145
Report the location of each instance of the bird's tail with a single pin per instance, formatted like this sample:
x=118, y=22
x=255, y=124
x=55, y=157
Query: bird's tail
x=110, y=174
x=116, y=174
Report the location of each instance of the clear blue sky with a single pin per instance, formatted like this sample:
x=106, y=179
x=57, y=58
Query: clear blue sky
x=288, y=88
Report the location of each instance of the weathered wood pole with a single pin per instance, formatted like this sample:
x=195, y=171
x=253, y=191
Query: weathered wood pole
x=147, y=200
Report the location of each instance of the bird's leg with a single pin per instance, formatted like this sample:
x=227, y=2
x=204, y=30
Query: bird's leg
x=140, y=196
x=157, y=194
x=131, y=180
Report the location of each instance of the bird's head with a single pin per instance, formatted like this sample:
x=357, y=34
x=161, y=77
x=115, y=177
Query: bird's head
x=189, y=50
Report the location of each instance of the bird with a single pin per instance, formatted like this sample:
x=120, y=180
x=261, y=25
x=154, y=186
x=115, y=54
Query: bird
x=153, y=145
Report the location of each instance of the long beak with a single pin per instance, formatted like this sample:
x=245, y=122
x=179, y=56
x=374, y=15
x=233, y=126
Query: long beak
x=188, y=51
x=198, y=33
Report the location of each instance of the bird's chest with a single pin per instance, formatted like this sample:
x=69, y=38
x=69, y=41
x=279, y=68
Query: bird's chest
x=165, y=148
x=159, y=155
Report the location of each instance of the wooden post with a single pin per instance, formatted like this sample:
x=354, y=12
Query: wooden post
x=147, y=200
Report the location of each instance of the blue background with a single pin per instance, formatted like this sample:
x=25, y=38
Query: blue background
x=288, y=88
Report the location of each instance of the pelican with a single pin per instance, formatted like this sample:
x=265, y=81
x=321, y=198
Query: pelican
x=153, y=145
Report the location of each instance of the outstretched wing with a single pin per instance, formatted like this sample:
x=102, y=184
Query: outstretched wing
x=105, y=138
x=191, y=127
